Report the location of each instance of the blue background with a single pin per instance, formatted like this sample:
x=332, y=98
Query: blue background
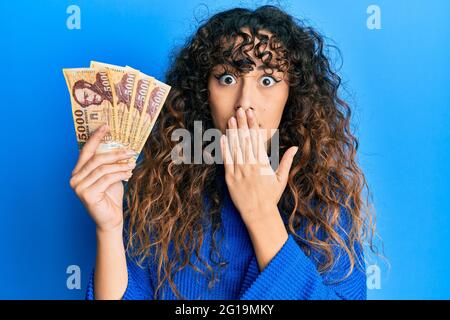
x=398, y=80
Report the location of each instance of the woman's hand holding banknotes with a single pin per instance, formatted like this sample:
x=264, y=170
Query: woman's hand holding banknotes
x=97, y=181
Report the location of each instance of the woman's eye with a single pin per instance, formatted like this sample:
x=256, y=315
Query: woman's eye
x=268, y=81
x=226, y=79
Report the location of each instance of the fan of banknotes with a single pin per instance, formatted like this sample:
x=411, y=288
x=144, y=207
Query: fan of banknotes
x=126, y=99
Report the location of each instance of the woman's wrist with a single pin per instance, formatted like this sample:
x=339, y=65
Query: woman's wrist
x=109, y=241
x=111, y=231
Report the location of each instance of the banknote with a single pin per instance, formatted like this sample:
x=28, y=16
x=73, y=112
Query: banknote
x=128, y=100
x=152, y=109
x=125, y=81
x=143, y=92
x=92, y=100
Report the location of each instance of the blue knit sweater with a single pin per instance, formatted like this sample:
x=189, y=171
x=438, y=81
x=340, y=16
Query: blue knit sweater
x=290, y=275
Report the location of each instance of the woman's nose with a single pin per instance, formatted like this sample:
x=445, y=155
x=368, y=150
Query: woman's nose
x=247, y=94
x=244, y=108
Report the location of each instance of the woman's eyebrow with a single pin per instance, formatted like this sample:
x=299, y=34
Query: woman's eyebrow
x=224, y=67
x=231, y=68
x=263, y=67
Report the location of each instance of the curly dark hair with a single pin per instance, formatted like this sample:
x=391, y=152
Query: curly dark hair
x=165, y=201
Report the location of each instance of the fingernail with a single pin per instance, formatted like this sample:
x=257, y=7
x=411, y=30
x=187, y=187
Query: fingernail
x=240, y=112
x=233, y=121
x=130, y=152
x=249, y=113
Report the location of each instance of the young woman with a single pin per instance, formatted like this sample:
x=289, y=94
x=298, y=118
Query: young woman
x=227, y=230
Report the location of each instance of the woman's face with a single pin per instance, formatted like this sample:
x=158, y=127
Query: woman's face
x=265, y=93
